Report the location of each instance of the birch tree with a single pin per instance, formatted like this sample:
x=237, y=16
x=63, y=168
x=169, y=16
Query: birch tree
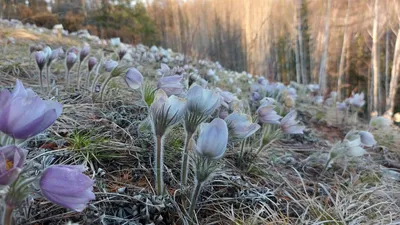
x=375, y=59
x=343, y=53
x=390, y=100
x=324, y=58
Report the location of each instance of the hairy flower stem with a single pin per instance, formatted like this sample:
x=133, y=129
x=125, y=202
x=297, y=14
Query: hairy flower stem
x=185, y=160
x=241, y=154
x=104, y=87
x=79, y=75
x=87, y=81
x=159, y=171
x=47, y=77
x=41, y=80
x=8, y=215
x=193, y=201
x=67, y=79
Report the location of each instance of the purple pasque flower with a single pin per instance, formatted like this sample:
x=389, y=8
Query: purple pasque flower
x=240, y=126
x=11, y=161
x=133, y=78
x=226, y=97
x=255, y=96
x=47, y=52
x=166, y=111
x=110, y=65
x=172, y=85
x=55, y=54
x=341, y=105
x=164, y=69
x=74, y=50
x=357, y=100
x=267, y=114
x=289, y=125
x=67, y=186
x=115, y=41
x=84, y=52
x=91, y=63
x=40, y=59
x=70, y=60
x=367, y=138
x=212, y=139
x=202, y=101
x=24, y=114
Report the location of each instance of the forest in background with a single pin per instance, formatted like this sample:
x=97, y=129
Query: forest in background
x=343, y=45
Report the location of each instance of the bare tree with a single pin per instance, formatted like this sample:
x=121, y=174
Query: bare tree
x=390, y=100
x=343, y=53
x=375, y=59
x=324, y=58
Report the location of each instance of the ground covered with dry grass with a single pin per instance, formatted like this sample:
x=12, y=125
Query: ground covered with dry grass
x=286, y=184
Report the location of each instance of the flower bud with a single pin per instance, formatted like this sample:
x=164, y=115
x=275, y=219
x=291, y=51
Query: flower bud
x=110, y=65
x=166, y=111
x=367, y=138
x=84, y=52
x=213, y=139
x=71, y=60
x=91, y=63
x=133, y=78
x=40, y=59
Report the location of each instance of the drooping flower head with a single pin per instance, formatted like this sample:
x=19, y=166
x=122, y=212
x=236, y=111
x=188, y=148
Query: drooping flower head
x=213, y=139
x=133, y=78
x=67, y=186
x=91, y=63
x=71, y=60
x=289, y=125
x=11, y=161
x=47, y=52
x=166, y=111
x=240, y=126
x=40, y=59
x=172, y=85
x=84, y=52
x=24, y=114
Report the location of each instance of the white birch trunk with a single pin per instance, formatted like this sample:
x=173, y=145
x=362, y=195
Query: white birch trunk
x=324, y=58
x=343, y=54
x=301, y=46
x=390, y=100
x=375, y=59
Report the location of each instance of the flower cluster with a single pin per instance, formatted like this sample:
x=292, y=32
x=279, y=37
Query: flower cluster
x=23, y=115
